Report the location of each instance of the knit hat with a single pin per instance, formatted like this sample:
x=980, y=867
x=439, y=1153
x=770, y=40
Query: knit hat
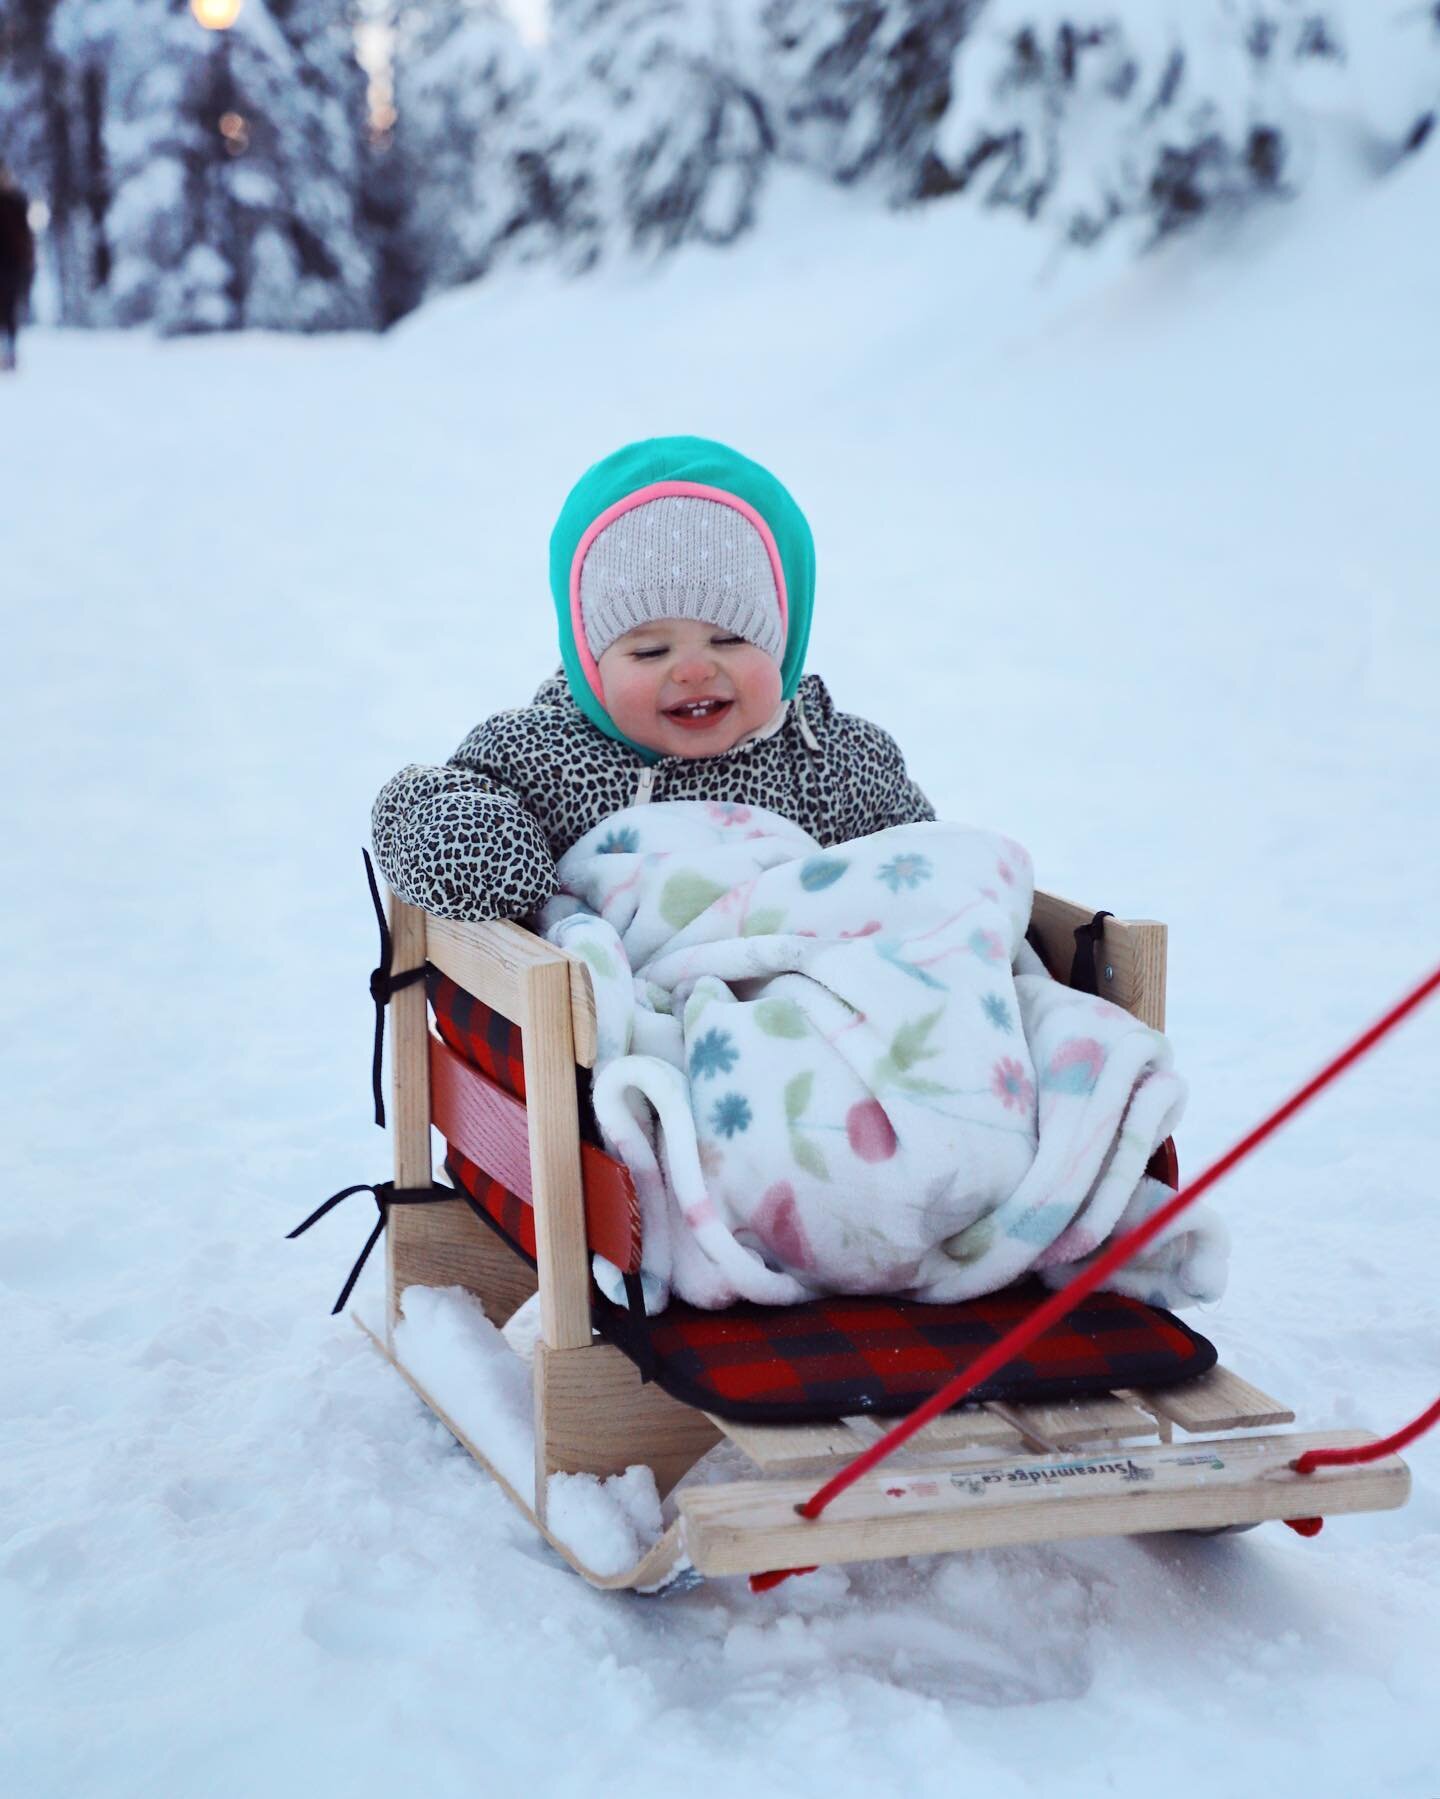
x=678, y=527
x=680, y=557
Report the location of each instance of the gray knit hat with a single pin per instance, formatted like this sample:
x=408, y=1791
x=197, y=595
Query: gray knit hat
x=680, y=557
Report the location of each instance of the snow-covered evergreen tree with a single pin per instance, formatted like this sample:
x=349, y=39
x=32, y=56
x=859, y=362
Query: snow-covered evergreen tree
x=1084, y=111
x=461, y=79
x=642, y=132
x=51, y=137
x=214, y=175
x=858, y=88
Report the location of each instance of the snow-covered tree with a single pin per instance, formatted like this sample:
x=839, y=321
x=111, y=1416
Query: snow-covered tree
x=642, y=132
x=1095, y=112
x=462, y=76
x=1083, y=111
x=858, y=88
x=213, y=176
x=52, y=138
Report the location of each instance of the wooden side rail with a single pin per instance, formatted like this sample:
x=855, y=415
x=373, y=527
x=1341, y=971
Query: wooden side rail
x=492, y=962
x=409, y=1099
x=1130, y=958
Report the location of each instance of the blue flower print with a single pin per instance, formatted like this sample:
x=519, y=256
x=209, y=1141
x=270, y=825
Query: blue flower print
x=714, y=1053
x=997, y=1012
x=820, y=872
x=905, y=871
x=731, y=1115
x=623, y=842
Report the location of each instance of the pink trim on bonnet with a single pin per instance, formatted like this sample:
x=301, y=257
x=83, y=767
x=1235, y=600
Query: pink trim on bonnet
x=661, y=490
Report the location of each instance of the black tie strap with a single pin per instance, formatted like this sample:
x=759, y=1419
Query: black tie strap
x=640, y=1340
x=1087, y=941
x=386, y=1194
x=382, y=985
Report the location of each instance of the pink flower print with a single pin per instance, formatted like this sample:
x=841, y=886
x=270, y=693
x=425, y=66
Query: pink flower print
x=1011, y=1086
x=724, y=813
x=868, y=929
x=776, y=1222
x=990, y=894
x=1075, y=1067
x=1014, y=853
x=871, y=1134
x=988, y=945
x=1006, y=873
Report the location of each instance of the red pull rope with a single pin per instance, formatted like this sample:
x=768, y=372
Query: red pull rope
x=1055, y=1308
x=1368, y=1452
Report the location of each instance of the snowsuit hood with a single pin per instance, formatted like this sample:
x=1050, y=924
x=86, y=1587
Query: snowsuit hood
x=696, y=464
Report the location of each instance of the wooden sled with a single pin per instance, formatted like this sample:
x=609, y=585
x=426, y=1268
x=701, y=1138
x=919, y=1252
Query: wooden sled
x=1117, y=1464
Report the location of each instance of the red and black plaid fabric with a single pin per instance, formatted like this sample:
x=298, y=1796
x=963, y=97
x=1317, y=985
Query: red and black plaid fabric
x=512, y=1216
x=834, y=1357
x=485, y=1039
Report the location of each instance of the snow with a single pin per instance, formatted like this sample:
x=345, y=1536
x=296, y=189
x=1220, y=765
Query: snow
x=1153, y=540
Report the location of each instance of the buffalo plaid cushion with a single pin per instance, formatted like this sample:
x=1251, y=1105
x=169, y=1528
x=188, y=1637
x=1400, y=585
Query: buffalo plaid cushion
x=511, y=1215
x=831, y=1357
x=834, y=1357
x=485, y=1039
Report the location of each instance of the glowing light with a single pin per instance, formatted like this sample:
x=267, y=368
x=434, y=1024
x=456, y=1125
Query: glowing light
x=216, y=15
x=236, y=132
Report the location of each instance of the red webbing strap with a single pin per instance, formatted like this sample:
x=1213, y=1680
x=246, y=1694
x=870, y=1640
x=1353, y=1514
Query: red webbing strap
x=1120, y=1252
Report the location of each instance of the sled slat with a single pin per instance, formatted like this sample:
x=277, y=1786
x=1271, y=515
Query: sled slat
x=775, y=1447
x=752, y=1526
x=972, y=1427
x=1066, y=1423
x=491, y=1128
x=1218, y=1400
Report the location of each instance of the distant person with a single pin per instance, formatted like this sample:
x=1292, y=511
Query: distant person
x=17, y=263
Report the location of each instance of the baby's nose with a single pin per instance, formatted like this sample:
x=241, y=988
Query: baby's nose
x=692, y=667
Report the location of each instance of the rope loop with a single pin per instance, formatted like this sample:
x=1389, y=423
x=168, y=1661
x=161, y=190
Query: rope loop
x=385, y=1194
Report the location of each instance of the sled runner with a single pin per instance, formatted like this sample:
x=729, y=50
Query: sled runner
x=1120, y=1421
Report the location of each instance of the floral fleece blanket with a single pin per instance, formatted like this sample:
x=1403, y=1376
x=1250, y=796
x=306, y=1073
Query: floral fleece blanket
x=845, y=1070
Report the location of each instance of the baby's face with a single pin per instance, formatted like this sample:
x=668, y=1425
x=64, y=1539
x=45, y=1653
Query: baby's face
x=688, y=689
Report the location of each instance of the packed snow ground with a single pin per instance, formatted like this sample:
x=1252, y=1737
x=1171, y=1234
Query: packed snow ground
x=1154, y=544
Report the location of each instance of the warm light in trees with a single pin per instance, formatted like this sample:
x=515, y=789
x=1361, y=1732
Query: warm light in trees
x=216, y=15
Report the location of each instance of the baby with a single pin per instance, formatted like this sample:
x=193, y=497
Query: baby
x=683, y=576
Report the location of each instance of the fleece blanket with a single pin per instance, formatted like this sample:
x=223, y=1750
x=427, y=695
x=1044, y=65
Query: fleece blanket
x=844, y=1070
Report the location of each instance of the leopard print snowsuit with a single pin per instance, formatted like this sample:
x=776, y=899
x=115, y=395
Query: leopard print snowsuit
x=480, y=837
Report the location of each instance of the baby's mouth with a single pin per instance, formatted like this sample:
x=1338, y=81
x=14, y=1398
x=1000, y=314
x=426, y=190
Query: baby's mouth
x=696, y=715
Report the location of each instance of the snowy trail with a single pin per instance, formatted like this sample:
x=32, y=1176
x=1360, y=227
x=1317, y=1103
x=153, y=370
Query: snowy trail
x=246, y=580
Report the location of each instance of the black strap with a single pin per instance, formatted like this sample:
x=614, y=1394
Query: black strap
x=1087, y=941
x=382, y=985
x=386, y=1194
x=643, y=1349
